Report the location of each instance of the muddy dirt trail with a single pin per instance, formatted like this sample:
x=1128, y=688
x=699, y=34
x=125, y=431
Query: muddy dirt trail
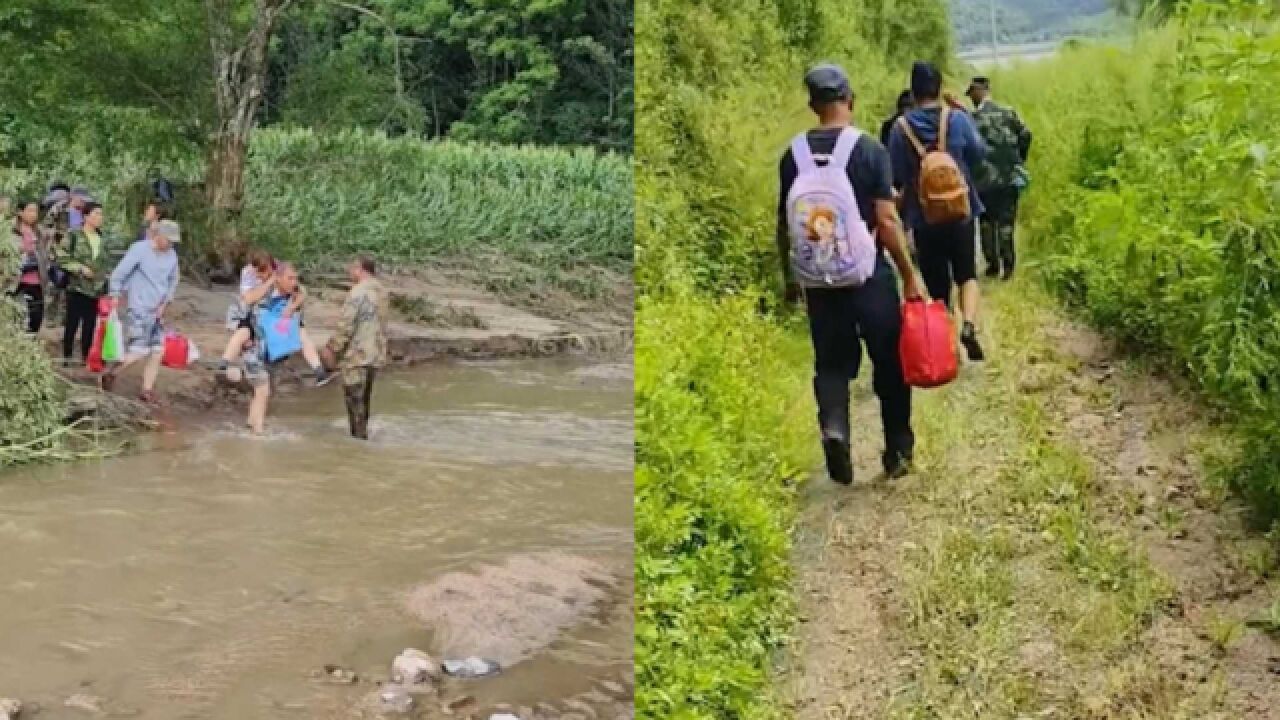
x=1059, y=552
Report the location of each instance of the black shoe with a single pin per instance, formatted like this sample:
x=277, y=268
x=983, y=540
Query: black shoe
x=839, y=463
x=970, y=342
x=323, y=377
x=1008, y=272
x=896, y=464
x=992, y=271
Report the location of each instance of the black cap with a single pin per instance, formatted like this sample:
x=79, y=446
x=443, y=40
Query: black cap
x=827, y=83
x=979, y=81
x=926, y=80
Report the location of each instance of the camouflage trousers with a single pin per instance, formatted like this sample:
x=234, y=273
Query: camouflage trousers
x=997, y=228
x=357, y=385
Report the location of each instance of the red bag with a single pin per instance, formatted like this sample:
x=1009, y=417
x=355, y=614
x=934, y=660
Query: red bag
x=927, y=346
x=94, y=361
x=176, y=351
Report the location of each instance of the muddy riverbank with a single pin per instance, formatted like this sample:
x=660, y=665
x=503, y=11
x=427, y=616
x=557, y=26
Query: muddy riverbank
x=437, y=315
x=215, y=575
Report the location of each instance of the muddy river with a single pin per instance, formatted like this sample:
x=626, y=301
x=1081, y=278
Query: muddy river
x=214, y=575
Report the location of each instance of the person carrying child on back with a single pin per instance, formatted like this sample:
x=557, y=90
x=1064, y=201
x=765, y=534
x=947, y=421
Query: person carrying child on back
x=147, y=277
x=262, y=281
x=284, y=306
x=935, y=149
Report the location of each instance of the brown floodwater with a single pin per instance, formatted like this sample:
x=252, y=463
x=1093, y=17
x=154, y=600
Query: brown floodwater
x=212, y=574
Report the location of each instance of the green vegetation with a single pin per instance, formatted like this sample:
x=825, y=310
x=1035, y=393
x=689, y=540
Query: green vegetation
x=515, y=71
x=723, y=407
x=112, y=93
x=325, y=196
x=1156, y=203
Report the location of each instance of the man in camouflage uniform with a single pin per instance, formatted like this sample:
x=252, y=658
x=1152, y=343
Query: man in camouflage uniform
x=359, y=347
x=1001, y=175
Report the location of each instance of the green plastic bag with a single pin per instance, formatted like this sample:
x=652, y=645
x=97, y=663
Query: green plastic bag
x=113, y=339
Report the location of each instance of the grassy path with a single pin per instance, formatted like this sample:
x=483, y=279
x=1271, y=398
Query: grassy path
x=1059, y=552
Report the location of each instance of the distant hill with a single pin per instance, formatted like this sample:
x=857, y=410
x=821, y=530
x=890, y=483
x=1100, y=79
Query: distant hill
x=1022, y=21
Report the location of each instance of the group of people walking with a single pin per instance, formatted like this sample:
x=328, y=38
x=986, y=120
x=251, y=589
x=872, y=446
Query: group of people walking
x=65, y=259
x=849, y=205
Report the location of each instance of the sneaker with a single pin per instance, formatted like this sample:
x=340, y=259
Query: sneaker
x=839, y=463
x=896, y=464
x=323, y=377
x=992, y=271
x=106, y=381
x=1008, y=273
x=970, y=342
x=148, y=397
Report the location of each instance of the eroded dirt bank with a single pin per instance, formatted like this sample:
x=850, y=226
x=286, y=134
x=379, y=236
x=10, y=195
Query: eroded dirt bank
x=1060, y=552
x=436, y=316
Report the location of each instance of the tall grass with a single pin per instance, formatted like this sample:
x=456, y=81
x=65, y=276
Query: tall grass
x=725, y=426
x=1157, y=206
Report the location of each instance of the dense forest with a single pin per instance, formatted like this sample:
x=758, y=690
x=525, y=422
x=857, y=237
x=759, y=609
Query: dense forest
x=517, y=71
x=111, y=93
x=1028, y=20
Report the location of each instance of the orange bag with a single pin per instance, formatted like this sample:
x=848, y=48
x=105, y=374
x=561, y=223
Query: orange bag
x=927, y=345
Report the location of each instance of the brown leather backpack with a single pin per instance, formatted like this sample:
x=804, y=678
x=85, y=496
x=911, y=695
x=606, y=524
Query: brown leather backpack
x=942, y=188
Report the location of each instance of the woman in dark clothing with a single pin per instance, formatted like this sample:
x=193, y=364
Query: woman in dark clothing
x=85, y=259
x=30, y=284
x=905, y=103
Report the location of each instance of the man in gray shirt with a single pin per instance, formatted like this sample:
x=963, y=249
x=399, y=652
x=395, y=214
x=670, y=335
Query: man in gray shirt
x=148, y=278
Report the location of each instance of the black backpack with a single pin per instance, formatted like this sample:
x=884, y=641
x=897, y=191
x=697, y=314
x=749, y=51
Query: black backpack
x=162, y=190
x=58, y=277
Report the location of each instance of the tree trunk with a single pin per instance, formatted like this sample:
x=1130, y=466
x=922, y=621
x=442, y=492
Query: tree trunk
x=239, y=75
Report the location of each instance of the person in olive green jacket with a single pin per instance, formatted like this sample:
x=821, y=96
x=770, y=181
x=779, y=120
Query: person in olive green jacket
x=84, y=258
x=359, y=347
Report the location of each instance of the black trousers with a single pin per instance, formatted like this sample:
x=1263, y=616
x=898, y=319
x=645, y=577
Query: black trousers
x=946, y=256
x=841, y=321
x=82, y=315
x=358, y=389
x=33, y=294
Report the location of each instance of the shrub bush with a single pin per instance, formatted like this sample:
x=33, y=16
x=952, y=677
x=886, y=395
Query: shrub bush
x=1158, y=207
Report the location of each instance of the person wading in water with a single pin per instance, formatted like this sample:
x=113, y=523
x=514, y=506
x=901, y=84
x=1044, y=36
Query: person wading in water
x=359, y=347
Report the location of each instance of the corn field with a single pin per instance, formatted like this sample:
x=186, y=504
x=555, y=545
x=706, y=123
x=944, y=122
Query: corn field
x=318, y=198
x=325, y=196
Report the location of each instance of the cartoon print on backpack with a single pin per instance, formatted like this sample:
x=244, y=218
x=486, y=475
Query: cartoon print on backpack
x=830, y=243
x=821, y=225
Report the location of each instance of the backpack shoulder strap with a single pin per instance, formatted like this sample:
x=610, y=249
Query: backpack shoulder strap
x=803, y=154
x=845, y=144
x=944, y=119
x=911, y=136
